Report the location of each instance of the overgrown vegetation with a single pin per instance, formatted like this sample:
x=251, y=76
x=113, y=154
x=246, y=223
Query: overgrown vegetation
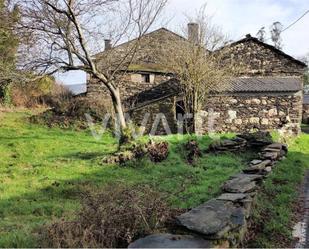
x=276, y=207
x=44, y=170
x=67, y=111
x=111, y=218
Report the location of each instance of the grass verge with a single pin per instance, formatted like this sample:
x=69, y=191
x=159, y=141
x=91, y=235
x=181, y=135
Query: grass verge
x=274, y=214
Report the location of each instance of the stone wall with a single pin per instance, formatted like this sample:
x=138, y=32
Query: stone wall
x=306, y=113
x=254, y=58
x=221, y=222
x=238, y=113
x=245, y=113
x=166, y=107
x=127, y=86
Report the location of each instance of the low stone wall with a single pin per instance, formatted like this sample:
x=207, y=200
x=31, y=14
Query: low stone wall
x=222, y=221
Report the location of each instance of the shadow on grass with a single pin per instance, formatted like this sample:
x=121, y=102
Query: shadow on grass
x=187, y=186
x=22, y=215
x=276, y=204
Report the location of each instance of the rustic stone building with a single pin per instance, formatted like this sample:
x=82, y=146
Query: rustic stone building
x=267, y=96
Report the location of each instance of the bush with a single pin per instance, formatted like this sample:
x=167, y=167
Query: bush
x=113, y=217
x=158, y=152
x=193, y=151
x=30, y=94
x=69, y=111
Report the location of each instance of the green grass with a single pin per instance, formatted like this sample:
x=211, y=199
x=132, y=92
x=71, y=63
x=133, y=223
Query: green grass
x=43, y=171
x=274, y=213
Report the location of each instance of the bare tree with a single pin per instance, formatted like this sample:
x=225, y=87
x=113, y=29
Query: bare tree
x=198, y=68
x=275, y=32
x=63, y=35
x=261, y=34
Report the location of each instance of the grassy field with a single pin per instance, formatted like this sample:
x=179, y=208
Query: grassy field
x=42, y=172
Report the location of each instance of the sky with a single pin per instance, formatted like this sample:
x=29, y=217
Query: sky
x=238, y=18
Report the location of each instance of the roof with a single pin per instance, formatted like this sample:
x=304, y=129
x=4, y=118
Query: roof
x=147, y=56
x=274, y=49
x=266, y=84
x=148, y=53
x=306, y=100
x=237, y=85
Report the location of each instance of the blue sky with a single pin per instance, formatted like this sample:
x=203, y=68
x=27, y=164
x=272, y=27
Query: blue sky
x=238, y=18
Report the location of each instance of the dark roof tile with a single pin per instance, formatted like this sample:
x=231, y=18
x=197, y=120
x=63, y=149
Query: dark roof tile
x=238, y=85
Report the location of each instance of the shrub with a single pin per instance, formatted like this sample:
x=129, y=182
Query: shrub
x=113, y=217
x=69, y=111
x=158, y=151
x=193, y=151
x=30, y=93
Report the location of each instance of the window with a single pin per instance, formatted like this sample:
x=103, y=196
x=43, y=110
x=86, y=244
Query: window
x=146, y=78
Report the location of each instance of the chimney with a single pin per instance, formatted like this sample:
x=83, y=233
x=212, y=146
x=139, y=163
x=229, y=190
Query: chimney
x=108, y=44
x=193, y=32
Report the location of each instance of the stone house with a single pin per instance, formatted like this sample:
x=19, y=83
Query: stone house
x=267, y=96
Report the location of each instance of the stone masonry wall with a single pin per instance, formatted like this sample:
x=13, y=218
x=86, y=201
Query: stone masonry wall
x=239, y=113
x=128, y=88
x=306, y=114
x=154, y=110
x=244, y=113
x=254, y=58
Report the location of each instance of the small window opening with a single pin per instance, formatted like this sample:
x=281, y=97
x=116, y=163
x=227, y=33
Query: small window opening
x=146, y=78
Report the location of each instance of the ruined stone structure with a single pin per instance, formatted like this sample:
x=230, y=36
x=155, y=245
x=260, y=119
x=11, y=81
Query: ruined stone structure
x=267, y=96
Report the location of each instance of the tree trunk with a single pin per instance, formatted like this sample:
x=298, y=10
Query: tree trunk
x=119, y=109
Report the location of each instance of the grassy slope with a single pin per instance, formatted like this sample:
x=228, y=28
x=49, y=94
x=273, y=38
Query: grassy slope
x=42, y=171
x=274, y=214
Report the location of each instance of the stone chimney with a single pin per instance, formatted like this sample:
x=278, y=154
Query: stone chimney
x=193, y=32
x=108, y=44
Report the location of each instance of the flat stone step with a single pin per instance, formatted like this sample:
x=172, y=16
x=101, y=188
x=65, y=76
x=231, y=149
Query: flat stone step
x=232, y=197
x=171, y=241
x=257, y=167
x=214, y=219
x=241, y=183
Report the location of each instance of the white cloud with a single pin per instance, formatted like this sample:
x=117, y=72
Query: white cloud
x=240, y=17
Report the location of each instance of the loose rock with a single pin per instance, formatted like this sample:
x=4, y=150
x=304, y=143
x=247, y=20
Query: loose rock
x=232, y=197
x=241, y=183
x=213, y=219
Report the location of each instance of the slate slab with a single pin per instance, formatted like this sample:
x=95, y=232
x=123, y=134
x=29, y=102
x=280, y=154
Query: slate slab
x=251, y=177
x=258, y=167
x=241, y=183
x=254, y=162
x=270, y=155
x=213, y=219
x=171, y=241
x=232, y=197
